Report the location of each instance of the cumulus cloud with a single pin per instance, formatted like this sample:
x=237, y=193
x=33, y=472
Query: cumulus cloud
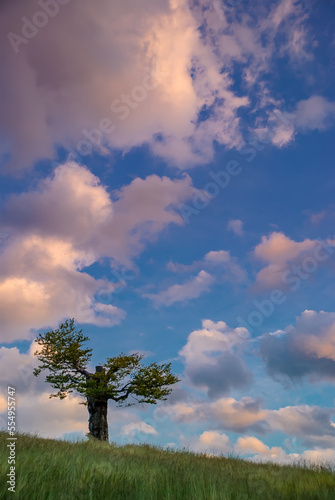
x=38, y=413
x=241, y=415
x=18, y=369
x=312, y=424
x=253, y=445
x=304, y=350
x=214, y=443
x=282, y=255
x=134, y=71
x=209, y=442
x=224, y=413
x=66, y=224
x=211, y=361
x=130, y=430
x=129, y=75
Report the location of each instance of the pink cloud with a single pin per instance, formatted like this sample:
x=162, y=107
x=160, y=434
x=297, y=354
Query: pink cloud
x=280, y=252
x=66, y=224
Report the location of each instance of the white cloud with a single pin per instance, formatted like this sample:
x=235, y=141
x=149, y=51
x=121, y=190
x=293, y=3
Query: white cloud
x=131, y=429
x=315, y=113
x=210, y=442
x=191, y=289
x=252, y=448
x=311, y=423
x=211, y=360
x=236, y=225
x=224, y=413
x=218, y=256
x=251, y=445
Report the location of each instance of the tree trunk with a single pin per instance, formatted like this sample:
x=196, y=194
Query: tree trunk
x=97, y=422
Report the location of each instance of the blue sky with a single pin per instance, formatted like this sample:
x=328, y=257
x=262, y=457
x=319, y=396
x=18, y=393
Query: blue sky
x=167, y=181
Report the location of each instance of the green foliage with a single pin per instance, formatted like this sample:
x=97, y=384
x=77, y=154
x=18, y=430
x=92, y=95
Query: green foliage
x=62, y=354
x=121, y=377
x=150, y=382
x=95, y=470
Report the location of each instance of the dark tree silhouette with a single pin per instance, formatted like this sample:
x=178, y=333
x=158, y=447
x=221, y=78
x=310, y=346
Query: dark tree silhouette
x=120, y=378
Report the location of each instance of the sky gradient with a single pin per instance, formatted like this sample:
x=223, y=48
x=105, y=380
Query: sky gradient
x=167, y=180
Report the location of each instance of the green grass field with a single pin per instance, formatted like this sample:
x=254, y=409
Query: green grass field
x=47, y=469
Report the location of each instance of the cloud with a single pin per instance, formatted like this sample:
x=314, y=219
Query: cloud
x=220, y=375
x=160, y=74
x=312, y=424
x=210, y=360
x=217, y=257
x=279, y=248
x=209, y=442
x=251, y=448
x=42, y=283
x=238, y=416
x=304, y=350
x=132, y=67
x=284, y=9
x=18, y=368
x=282, y=254
x=68, y=223
x=224, y=413
x=191, y=289
x=314, y=113
x=37, y=413
x=253, y=445
x=315, y=218
x=214, y=261
x=236, y=225
x=319, y=456
x=130, y=430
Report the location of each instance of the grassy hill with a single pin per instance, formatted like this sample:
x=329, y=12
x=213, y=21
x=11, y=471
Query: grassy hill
x=47, y=469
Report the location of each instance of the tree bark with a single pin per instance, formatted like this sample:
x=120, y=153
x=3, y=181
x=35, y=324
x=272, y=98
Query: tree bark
x=97, y=422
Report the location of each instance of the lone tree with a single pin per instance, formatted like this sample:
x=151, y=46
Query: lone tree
x=118, y=379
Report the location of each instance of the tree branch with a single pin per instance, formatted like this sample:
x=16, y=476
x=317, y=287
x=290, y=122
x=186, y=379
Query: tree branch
x=112, y=370
x=124, y=387
x=83, y=371
x=124, y=396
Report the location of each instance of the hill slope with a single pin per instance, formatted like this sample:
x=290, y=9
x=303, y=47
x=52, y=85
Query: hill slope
x=47, y=469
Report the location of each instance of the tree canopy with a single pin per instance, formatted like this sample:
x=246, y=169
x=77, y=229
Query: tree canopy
x=120, y=377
